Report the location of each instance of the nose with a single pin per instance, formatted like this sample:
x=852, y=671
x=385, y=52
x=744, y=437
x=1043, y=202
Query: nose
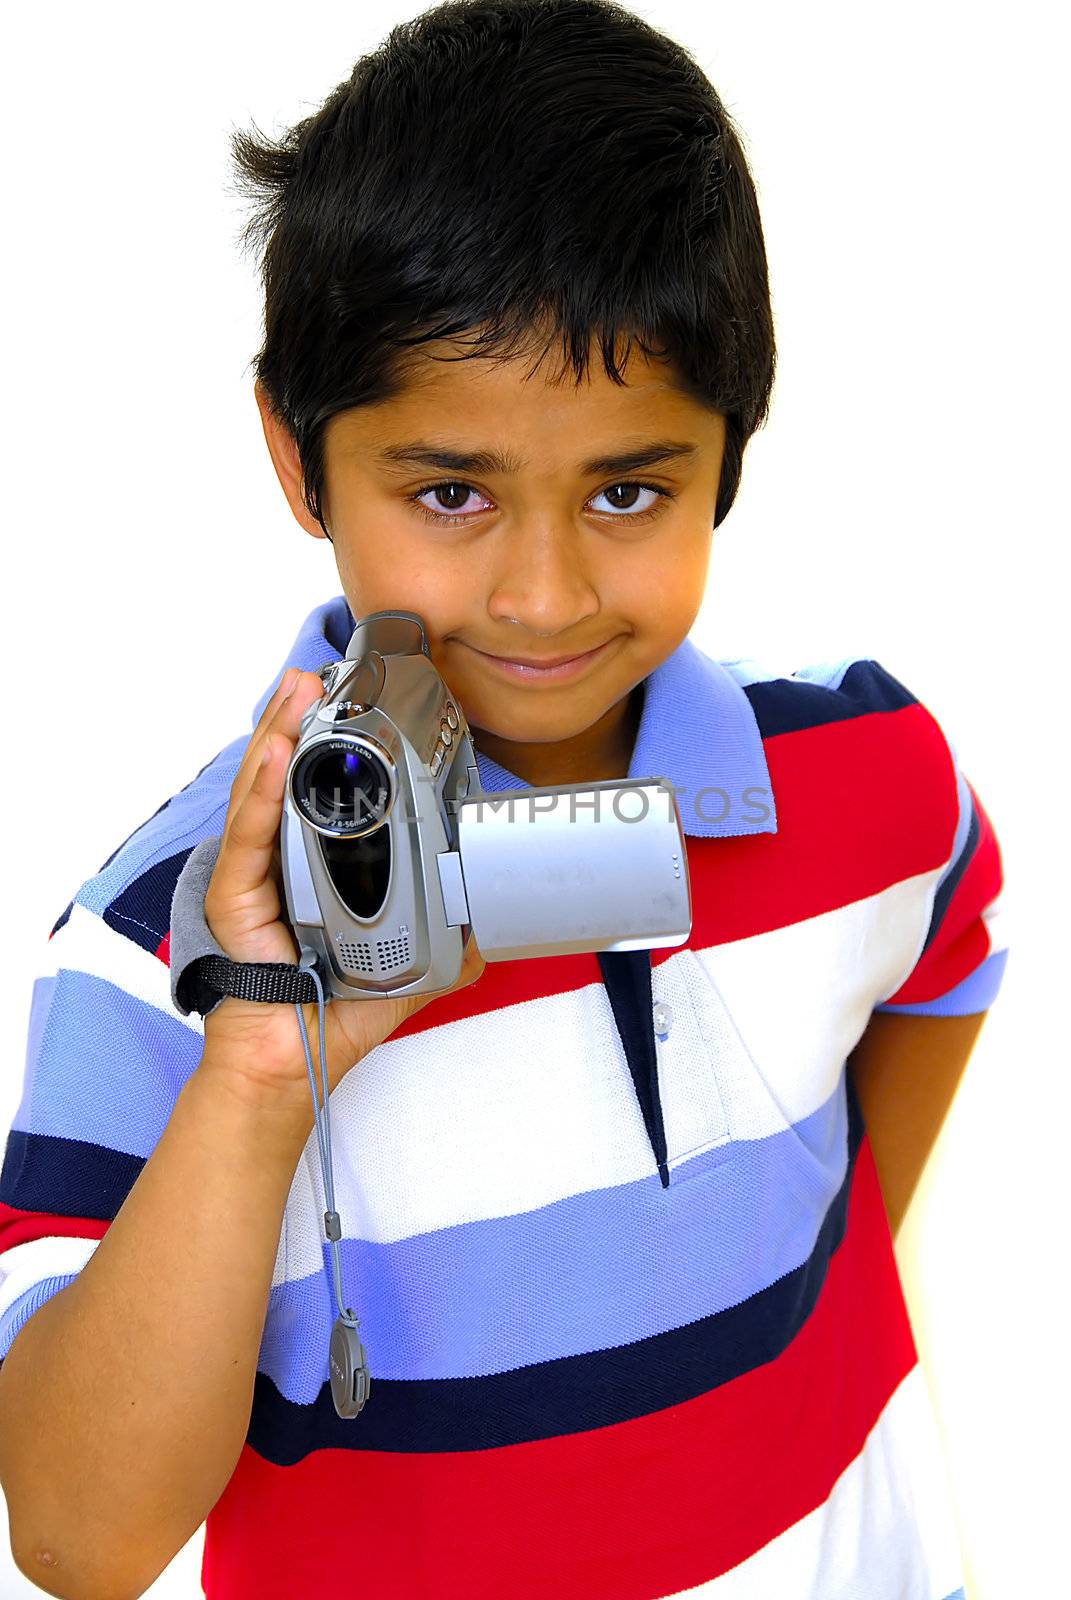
x=542, y=582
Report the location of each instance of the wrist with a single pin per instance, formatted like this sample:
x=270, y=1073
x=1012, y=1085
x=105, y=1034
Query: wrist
x=275, y=1110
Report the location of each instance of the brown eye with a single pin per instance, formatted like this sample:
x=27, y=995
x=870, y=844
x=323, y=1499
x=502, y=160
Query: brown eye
x=451, y=495
x=631, y=490
x=628, y=491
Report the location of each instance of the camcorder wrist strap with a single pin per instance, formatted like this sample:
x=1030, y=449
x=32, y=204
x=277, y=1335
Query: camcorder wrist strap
x=273, y=981
x=203, y=980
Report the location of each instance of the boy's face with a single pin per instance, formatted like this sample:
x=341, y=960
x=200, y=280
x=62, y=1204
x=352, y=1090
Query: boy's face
x=579, y=558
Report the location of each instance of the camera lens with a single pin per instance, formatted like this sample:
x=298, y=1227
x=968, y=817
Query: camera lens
x=341, y=787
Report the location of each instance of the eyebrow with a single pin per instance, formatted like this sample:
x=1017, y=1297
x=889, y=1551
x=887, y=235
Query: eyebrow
x=422, y=452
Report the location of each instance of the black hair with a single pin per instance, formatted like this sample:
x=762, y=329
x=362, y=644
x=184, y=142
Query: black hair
x=496, y=169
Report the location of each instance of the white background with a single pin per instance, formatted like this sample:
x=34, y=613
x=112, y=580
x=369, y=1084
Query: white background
x=904, y=501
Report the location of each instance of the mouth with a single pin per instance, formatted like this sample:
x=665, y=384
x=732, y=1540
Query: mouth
x=556, y=672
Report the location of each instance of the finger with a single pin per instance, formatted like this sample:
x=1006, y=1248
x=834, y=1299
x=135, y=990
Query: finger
x=245, y=855
x=247, y=763
x=250, y=840
x=279, y=715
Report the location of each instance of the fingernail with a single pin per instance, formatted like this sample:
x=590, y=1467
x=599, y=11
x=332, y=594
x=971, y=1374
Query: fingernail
x=290, y=677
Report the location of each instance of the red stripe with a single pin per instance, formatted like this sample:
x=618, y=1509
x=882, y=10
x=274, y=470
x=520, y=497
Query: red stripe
x=20, y=1227
x=624, y=1512
x=163, y=949
x=861, y=804
x=962, y=941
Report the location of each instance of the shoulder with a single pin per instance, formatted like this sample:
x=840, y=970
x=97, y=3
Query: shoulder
x=851, y=729
x=833, y=690
x=131, y=891
x=856, y=690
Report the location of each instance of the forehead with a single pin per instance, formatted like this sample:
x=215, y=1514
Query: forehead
x=531, y=393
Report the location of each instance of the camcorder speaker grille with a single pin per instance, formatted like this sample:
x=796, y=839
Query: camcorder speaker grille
x=392, y=953
x=356, y=955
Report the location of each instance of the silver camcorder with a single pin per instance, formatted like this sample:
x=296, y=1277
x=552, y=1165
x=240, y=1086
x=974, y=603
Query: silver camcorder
x=392, y=854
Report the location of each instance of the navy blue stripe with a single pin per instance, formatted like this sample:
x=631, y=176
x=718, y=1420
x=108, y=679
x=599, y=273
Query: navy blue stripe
x=947, y=889
x=62, y=918
x=874, y=688
x=130, y=836
x=548, y=1399
x=64, y=1176
x=142, y=912
x=626, y=976
x=791, y=705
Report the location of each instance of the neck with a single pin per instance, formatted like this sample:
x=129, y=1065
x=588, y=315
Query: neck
x=602, y=751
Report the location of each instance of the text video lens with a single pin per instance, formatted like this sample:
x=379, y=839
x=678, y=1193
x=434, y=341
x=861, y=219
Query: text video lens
x=341, y=787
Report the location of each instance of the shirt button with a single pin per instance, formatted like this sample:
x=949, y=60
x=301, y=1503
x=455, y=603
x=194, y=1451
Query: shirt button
x=663, y=1019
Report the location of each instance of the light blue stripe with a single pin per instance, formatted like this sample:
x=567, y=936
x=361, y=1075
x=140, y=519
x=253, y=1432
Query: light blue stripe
x=109, y=1067
x=23, y=1308
x=595, y=1270
x=828, y=674
x=975, y=992
x=41, y=998
x=178, y=827
x=957, y=1594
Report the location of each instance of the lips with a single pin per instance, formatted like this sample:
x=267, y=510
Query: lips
x=533, y=661
x=553, y=670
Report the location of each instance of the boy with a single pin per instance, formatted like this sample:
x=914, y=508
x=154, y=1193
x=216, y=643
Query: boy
x=617, y=1231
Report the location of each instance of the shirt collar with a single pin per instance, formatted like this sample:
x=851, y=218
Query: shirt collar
x=697, y=730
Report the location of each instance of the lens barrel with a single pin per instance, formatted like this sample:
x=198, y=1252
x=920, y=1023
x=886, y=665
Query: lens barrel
x=341, y=787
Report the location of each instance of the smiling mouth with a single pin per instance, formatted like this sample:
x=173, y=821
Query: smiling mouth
x=557, y=668
x=554, y=661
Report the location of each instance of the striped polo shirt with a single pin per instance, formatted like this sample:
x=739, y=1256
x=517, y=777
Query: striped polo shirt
x=611, y=1222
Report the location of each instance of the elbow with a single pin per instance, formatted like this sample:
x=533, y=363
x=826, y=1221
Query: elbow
x=58, y=1572
x=41, y=1567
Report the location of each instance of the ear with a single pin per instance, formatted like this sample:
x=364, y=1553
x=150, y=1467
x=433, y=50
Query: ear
x=284, y=454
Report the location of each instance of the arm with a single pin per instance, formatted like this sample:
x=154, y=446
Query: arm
x=125, y=1398
x=905, y=1070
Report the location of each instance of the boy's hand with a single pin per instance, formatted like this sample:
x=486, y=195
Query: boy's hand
x=255, y=1043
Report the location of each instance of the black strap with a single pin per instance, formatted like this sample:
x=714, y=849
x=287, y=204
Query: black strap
x=209, y=977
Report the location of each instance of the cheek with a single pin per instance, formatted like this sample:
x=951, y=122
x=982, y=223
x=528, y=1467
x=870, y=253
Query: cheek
x=676, y=585
x=386, y=571
x=661, y=601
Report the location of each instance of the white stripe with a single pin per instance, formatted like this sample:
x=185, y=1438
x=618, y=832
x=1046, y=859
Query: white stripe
x=802, y=995
x=86, y=943
x=25, y=1265
x=502, y=1113
x=995, y=917
x=887, y=1531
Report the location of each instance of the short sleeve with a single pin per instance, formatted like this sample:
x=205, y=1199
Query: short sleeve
x=963, y=950
x=106, y=1056
x=958, y=936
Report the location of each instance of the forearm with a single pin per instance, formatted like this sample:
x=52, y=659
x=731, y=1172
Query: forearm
x=125, y=1399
